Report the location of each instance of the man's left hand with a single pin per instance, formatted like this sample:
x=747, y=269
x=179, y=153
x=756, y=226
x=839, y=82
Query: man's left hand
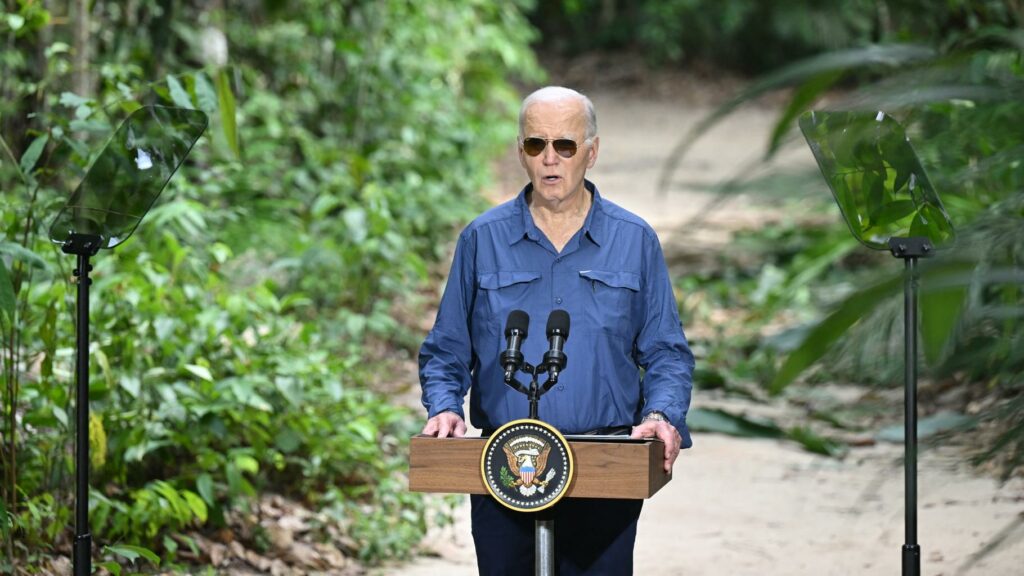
x=665, y=432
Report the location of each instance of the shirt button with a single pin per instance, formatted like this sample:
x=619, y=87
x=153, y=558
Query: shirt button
x=558, y=300
x=561, y=387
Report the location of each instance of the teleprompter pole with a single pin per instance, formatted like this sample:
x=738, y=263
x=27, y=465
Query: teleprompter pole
x=911, y=549
x=910, y=249
x=83, y=246
x=83, y=539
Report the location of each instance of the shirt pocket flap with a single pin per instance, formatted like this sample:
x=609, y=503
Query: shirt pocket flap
x=613, y=278
x=496, y=280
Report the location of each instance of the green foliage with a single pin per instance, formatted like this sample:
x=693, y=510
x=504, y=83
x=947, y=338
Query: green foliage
x=507, y=479
x=722, y=422
x=961, y=106
x=230, y=334
x=753, y=36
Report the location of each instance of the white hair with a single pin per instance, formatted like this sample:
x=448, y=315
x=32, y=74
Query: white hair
x=554, y=94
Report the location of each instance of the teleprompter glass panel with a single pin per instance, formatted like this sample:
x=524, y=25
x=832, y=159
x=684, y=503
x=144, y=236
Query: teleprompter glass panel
x=875, y=177
x=129, y=174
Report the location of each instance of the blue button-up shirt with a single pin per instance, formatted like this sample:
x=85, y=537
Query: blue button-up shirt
x=626, y=351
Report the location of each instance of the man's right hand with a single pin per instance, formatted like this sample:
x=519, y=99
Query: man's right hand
x=444, y=425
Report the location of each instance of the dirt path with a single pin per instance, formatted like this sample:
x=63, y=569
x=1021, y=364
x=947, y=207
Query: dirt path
x=739, y=506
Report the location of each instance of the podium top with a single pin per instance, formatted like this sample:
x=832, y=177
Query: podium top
x=606, y=467
x=607, y=438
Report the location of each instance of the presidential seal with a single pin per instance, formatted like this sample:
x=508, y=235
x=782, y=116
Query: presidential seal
x=527, y=465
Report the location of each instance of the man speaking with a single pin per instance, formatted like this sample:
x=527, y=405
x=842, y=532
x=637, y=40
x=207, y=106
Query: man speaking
x=560, y=245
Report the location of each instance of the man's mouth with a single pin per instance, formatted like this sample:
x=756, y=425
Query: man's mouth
x=551, y=179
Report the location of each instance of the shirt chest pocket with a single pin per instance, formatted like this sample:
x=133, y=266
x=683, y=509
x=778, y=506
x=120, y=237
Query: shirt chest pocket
x=505, y=291
x=612, y=299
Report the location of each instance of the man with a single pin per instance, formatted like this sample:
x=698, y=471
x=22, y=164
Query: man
x=560, y=245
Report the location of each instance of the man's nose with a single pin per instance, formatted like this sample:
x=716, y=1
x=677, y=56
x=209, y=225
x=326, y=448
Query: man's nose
x=550, y=156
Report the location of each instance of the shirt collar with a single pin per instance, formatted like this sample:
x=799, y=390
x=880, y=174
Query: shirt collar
x=593, y=225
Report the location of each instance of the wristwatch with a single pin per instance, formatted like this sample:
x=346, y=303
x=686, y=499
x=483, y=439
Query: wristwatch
x=656, y=417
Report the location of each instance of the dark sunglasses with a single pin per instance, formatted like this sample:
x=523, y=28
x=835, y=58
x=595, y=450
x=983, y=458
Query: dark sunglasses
x=564, y=147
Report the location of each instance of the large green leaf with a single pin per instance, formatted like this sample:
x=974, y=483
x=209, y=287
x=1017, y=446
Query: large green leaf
x=816, y=443
x=5, y=522
x=196, y=505
x=31, y=155
x=940, y=312
x=179, y=95
x=821, y=338
x=19, y=252
x=928, y=426
x=805, y=95
x=133, y=553
x=226, y=102
x=723, y=422
x=938, y=280
x=204, y=484
x=7, y=298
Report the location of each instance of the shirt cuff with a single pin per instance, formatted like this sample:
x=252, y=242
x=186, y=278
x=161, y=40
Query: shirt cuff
x=435, y=410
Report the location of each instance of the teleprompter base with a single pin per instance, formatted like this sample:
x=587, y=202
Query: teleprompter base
x=605, y=468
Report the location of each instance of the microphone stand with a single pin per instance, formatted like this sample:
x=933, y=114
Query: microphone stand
x=544, y=525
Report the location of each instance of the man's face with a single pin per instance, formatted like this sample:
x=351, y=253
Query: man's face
x=556, y=178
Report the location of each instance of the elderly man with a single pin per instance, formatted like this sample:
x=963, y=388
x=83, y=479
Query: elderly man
x=560, y=245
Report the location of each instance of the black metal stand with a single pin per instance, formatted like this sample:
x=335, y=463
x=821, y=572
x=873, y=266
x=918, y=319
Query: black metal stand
x=83, y=246
x=544, y=527
x=910, y=249
x=534, y=391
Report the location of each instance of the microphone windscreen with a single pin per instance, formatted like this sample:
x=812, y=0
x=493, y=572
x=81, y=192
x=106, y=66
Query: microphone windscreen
x=517, y=320
x=558, y=321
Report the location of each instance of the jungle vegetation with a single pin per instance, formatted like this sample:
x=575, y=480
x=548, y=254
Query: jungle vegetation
x=242, y=336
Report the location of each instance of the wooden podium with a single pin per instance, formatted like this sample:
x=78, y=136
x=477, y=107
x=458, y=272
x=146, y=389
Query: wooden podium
x=606, y=466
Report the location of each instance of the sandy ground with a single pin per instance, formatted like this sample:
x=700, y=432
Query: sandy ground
x=741, y=506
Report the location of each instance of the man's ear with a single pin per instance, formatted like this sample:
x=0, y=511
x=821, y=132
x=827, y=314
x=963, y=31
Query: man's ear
x=592, y=153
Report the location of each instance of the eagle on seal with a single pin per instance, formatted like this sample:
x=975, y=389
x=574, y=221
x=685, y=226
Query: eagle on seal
x=528, y=465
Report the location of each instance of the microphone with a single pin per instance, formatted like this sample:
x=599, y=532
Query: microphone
x=515, y=332
x=558, y=333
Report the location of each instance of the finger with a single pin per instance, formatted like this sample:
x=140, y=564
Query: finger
x=460, y=428
x=645, y=430
x=670, y=458
x=670, y=436
x=444, y=428
x=430, y=429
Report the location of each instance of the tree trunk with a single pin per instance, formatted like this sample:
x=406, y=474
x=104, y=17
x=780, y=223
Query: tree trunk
x=81, y=81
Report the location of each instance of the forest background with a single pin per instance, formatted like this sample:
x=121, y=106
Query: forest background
x=245, y=336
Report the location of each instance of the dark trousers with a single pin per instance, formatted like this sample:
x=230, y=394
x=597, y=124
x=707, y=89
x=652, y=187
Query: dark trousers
x=592, y=537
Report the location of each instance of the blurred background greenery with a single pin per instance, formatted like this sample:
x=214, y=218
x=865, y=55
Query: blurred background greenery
x=243, y=338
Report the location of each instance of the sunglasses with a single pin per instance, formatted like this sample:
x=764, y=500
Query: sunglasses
x=564, y=147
